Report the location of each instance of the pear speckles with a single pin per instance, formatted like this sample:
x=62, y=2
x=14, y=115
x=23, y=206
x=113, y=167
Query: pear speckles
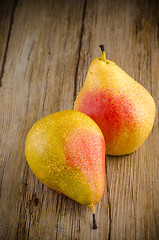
x=121, y=107
x=66, y=151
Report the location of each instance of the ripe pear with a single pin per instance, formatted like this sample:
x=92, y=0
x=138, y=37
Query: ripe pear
x=66, y=151
x=122, y=108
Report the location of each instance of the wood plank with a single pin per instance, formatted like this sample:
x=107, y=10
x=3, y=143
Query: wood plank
x=38, y=80
x=51, y=46
x=128, y=29
x=7, y=8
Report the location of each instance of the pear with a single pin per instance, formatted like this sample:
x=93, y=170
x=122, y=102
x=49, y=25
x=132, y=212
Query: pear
x=122, y=108
x=66, y=151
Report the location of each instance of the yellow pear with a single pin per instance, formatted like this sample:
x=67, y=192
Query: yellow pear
x=122, y=108
x=66, y=151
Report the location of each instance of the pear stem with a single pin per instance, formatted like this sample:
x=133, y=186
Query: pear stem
x=94, y=222
x=103, y=53
x=101, y=47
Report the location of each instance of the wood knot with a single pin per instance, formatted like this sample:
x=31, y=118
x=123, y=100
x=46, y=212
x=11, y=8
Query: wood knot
x=36, y=201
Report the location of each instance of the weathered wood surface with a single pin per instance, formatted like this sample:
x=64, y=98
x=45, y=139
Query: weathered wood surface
x=7, y=8
x=45, y=51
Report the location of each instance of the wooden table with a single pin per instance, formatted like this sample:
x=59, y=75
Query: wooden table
x=45, y=51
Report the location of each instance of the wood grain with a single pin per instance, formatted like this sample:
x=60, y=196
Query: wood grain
x=45, y=51
x=7, y=8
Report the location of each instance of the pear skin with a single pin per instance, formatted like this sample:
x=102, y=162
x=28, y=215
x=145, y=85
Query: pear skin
x=122, y=108
x=66, y=151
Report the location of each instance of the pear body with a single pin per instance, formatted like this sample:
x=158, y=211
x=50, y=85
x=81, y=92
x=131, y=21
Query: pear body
x=66, y=151
x=122, y=108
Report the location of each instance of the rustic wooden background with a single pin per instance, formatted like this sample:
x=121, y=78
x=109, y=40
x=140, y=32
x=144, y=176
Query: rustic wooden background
x=45, y=51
